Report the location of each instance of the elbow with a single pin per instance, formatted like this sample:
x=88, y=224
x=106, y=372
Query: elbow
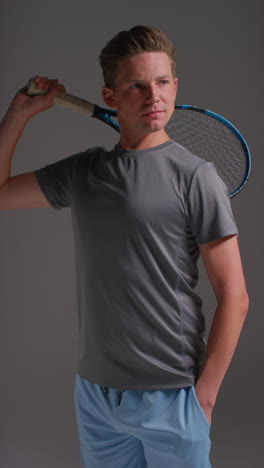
x=237, y=300
x=244, y=302
x=241, y=303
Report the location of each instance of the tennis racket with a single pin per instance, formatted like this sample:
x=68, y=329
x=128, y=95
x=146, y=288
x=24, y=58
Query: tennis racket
x=201, y=131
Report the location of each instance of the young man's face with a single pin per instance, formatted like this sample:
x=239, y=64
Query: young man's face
x=144, y=94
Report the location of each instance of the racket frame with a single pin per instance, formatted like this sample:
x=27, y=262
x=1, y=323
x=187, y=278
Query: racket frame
x=236, y=132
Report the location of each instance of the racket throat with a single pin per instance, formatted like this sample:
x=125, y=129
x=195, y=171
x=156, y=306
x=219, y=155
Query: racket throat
x=106, y=117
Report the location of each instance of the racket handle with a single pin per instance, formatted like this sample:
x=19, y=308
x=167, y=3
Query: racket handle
x=63, y=99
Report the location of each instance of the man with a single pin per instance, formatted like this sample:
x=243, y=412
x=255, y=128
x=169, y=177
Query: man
x=142, y=213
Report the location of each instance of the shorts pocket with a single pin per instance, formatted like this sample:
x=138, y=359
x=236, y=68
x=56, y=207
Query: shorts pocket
x=199, y=406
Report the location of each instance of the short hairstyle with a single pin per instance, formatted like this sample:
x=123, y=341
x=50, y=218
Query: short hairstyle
x=135, y=41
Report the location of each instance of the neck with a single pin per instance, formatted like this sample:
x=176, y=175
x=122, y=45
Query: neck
x=130, y=142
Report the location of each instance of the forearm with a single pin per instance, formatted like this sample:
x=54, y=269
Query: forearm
x=11, y=129
x=22, y=108
x=222, y=341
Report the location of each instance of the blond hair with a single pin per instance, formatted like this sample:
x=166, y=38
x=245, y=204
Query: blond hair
x=138, y=40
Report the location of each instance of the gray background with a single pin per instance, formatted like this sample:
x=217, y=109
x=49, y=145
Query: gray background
x=220, y=66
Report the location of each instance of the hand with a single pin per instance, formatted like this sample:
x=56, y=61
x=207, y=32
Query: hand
x=32, y=105
x=207, y=410
x=206, y=401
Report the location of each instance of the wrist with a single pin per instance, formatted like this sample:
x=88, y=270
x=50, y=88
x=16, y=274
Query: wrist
x=206, y=394
x=16, y=115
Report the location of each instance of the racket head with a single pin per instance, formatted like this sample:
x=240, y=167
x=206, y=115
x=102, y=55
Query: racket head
x=214, y=139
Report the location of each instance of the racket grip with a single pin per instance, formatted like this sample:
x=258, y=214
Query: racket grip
x=63, y=99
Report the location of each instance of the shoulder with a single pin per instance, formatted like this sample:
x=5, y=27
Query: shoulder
x=183, y=160
x=95, y=151
x=185, y=167
x=85, y=158
x=72, y=165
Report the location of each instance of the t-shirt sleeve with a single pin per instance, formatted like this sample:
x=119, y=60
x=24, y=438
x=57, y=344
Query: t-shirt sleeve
x=208, y=206
x=56, y=181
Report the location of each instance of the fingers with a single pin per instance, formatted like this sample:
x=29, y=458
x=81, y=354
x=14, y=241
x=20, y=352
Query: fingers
x=43, y=82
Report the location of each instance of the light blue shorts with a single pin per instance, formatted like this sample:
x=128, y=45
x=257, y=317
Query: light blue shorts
x=141, y=428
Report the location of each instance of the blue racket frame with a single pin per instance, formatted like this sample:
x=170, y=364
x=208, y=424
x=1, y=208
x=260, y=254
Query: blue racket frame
x=235, y=131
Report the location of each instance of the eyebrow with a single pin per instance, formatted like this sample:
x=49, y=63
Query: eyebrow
x=133, y=80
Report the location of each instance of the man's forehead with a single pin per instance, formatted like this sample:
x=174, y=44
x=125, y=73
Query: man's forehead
x=145, y=57
x=137, y=67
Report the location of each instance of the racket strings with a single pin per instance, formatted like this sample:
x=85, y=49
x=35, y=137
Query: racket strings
x=212, y=140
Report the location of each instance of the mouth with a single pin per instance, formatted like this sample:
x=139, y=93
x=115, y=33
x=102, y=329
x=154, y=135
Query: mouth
x=153, y=113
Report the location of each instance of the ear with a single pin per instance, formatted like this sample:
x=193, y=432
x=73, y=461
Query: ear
x=176, y=86
x=108, y=96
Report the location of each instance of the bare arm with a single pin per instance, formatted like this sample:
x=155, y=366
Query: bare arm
x=22, y=191
x=223, y=265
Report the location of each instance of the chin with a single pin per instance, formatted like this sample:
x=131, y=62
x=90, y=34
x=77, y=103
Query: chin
x=155, y=127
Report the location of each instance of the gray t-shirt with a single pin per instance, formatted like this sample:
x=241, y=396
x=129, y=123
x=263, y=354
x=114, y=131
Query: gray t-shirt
x=138, y=217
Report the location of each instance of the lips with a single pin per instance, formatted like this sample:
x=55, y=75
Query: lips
x=153, y=113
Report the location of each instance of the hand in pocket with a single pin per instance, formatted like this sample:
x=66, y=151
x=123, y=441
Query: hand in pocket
x=205, y=405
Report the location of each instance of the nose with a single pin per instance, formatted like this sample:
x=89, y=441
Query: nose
x=152, y=95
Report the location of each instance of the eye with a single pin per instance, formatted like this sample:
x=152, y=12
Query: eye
x=136, y=86
x=163, y=82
